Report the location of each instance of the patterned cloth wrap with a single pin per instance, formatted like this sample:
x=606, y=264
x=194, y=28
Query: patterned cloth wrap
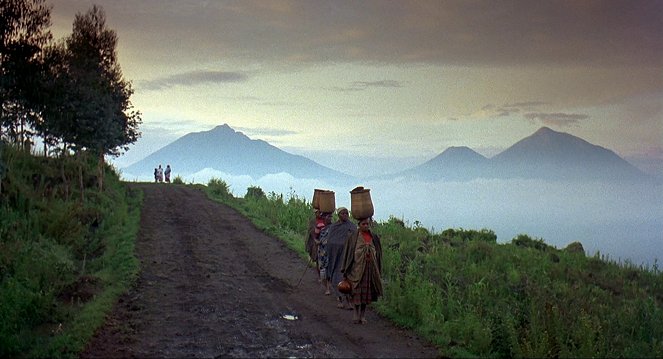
x=323, y=257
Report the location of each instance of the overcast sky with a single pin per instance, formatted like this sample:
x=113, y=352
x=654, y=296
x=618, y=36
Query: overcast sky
x=407, y=79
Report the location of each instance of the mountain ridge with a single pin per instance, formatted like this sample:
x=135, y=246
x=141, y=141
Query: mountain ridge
x=558, y=155
x=546, y=154
x=224, y=149
x=453, y=159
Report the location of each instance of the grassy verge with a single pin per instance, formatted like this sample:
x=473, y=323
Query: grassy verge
x=474, y=297
x=66, y=252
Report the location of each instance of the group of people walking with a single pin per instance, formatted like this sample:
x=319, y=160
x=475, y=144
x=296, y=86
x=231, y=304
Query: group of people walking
x=159, y=174
x=344, y=251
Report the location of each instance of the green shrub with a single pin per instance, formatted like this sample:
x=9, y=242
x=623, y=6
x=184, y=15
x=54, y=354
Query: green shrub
x=219, y=188
x=178, y=180
x=255, y=192
x=575, y=247
x=523, y=240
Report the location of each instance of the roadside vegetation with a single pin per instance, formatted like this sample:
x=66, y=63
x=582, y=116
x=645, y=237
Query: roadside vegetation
x=65, y=256
x=67, y=224
x=474, y=297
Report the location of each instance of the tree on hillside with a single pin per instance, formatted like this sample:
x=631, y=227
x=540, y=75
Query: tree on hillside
x=99, y=115
x=23, y=33
x=57, y=111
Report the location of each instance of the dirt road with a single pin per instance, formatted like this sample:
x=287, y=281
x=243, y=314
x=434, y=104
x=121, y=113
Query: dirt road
x=212, y=285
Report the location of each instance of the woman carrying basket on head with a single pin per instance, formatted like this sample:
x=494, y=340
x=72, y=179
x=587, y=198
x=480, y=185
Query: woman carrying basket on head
x=362, y=267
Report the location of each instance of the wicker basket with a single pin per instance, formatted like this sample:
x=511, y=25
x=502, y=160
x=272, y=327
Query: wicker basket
x=315, y=202
x=361, y=204
x=327, y=201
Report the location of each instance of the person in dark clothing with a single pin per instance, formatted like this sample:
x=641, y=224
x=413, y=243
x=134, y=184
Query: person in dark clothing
x=337, y=235
x=167, y=173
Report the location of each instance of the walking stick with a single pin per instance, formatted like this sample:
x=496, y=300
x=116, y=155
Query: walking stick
x=305, y=270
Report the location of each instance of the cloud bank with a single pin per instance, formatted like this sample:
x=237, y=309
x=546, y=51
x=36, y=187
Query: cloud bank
x=266, y=131
x=611, y=33
x=193, y=78
x=624, y=222
x=556, y=119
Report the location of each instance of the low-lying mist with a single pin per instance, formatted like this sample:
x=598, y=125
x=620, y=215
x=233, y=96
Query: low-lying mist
x=621, y=221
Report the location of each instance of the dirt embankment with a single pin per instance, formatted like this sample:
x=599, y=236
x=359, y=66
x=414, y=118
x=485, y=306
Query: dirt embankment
x=212, y=285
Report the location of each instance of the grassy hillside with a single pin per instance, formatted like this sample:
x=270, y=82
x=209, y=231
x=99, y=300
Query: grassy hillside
x=474, y=297
x=66, y=251
x=66, y=255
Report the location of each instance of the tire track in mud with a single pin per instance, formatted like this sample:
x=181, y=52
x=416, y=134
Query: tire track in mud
x=212, y=285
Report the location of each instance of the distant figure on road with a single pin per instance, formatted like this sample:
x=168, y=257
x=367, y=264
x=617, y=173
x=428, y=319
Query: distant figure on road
x=362, y=267
x=337, y=235
x=167, y=173
x=159, y=174
x=156, y=175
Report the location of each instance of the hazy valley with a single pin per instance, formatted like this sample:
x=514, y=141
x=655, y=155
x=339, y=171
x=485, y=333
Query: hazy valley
x=550, y=185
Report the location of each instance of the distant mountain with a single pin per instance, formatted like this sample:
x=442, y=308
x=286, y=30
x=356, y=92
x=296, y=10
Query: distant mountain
x=546, y=154
x=455, y=163
x=232, y=152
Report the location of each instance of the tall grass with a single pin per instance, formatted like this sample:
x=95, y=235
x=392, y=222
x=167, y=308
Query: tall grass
x=64, y=258
x=474, y=297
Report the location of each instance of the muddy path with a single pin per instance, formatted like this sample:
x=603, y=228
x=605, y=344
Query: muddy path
x=212, y=285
